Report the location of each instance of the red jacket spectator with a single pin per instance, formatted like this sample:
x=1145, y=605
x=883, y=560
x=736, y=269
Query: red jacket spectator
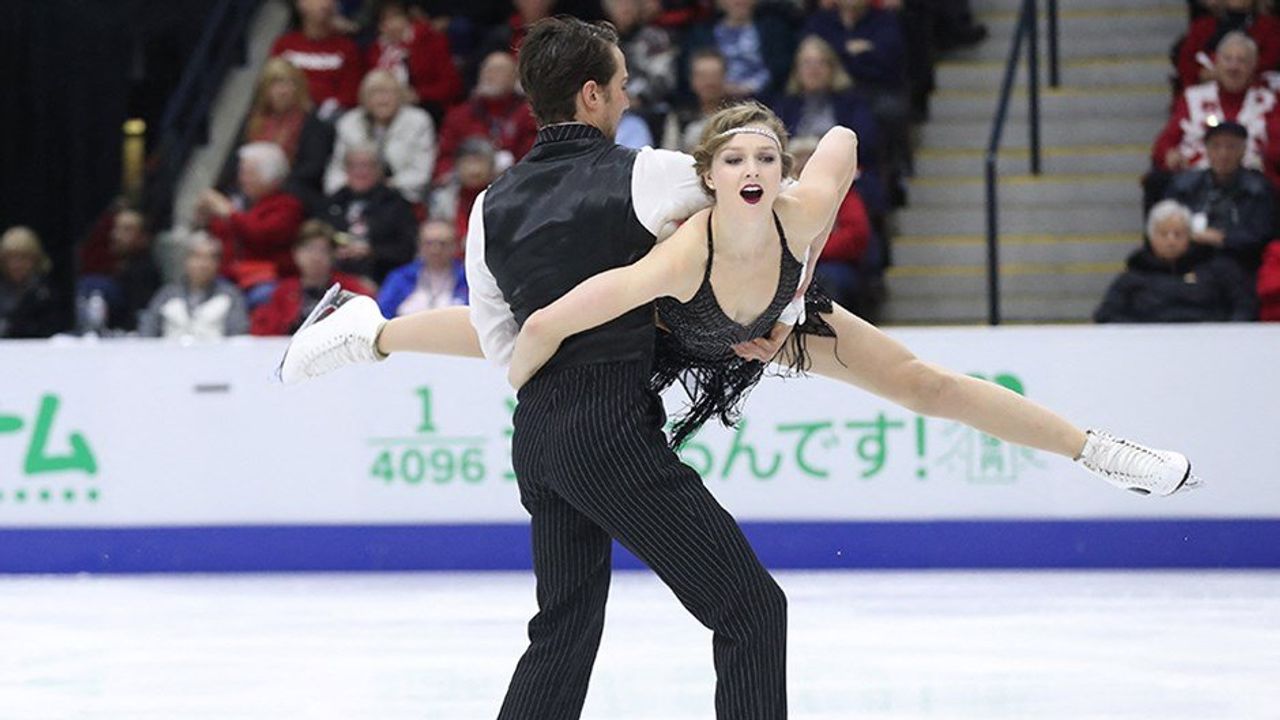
x=332, y=65
x=281, y=315
x=1209, y=103
x=423, y=61
x=1264, y=29
x=257, y=243
x=505, y=121
x=851, y=232
x=1269, y=284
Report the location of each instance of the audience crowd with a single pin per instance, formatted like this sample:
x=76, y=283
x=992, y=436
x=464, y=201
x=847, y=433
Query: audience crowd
x=1210, y=195
x=375, y=124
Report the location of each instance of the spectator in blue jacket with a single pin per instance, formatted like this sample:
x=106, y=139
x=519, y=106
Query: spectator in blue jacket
x=820, y=95
x=435, y=280
x=756, y=45
x=870, y=45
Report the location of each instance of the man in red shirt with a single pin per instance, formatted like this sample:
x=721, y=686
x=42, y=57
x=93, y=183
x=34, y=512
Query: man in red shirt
x=330, y=61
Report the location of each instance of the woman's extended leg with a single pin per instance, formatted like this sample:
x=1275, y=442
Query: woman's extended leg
x=875, y=362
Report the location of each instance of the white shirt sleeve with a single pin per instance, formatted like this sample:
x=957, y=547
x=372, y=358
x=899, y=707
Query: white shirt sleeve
x=490, y=314
x=665, y=190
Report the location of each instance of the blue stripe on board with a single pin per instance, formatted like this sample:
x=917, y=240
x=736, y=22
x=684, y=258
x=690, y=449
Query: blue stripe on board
x=1166, y=543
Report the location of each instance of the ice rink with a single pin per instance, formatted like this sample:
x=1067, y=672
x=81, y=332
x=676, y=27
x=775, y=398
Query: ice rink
x=441, y=646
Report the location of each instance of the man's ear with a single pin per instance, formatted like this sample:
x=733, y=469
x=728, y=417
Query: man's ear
x=590, y=93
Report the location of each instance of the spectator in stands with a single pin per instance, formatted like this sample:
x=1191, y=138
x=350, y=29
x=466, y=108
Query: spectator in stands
x=474, y=169
x=376, y=225
x=820, y=96
x=133, y=276
x=509, y=36
x=1172, y=279
x=756, y=45
x=418, y=55
x=436, y=279
x=1232, y=206
x=331, y=61
x=1196, y=61
x=256, y=240
x=1233, y=96
x=404, y=134
x=28, y=308
x=706, y=78
x=294, y=298
x=282, y=113
x=1269, y=284
x=201, y=306
x=870, y=45
x=650, y=57
x=494, y=111
x=850, y=265
x=676, y=16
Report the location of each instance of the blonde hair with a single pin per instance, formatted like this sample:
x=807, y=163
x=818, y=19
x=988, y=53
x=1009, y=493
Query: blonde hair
x=735, y=116
x=22, y=239
x=375, y=77
x=276, y=69
x=840, y=80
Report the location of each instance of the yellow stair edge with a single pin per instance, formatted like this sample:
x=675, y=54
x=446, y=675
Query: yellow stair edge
x=1045, y=151
x=1087, y=61
x=1024, y=179
x=965, y=240
x=1089, y=13
x=1006, y=270
x=1075, y=91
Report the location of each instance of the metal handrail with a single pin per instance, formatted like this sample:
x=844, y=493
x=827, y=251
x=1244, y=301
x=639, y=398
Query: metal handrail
x=1028, y=26
x=186, y=116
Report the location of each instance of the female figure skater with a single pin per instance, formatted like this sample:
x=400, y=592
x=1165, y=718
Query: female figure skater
x=721, y=283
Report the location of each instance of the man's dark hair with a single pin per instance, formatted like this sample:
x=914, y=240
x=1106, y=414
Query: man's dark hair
x=560, y=55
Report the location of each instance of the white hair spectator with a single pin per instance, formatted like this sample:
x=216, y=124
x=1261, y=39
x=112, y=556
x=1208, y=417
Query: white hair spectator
x=201, y=240
x=270, y=160
x=362, y=149
x=1165, y=210
x=1240, y=38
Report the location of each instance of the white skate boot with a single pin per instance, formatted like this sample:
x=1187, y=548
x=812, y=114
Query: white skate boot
x=1135, y=467
x=342, y=330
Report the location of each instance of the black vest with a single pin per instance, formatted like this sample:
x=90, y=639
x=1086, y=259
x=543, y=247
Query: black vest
x=559, y=216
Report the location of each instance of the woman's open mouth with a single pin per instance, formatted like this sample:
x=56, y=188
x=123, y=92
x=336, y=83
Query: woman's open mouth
x=752, y=194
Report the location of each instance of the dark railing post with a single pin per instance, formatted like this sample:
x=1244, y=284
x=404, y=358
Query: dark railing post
x=993, y=244
x=1029, y=16
x=1055, y=79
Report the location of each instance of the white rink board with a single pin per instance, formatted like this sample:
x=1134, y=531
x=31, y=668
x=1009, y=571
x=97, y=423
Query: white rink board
x=144, y=433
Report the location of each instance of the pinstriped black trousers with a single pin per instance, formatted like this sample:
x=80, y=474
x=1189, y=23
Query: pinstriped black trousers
x=592, y=464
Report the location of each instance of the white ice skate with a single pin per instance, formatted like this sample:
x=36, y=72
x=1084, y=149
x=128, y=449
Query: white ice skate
x=342, y=330
x=1138, y=468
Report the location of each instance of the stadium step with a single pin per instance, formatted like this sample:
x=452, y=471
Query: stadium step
x=1064, y=234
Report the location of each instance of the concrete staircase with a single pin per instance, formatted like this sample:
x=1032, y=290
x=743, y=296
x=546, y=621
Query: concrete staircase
x=1064, y=234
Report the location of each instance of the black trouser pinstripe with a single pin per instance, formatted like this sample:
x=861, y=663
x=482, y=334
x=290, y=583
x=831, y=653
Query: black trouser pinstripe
x=592, y=464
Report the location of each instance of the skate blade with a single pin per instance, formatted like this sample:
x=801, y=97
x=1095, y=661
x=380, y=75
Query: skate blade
x=317, y=313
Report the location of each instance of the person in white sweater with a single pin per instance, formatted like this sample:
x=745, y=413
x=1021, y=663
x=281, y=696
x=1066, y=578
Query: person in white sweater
x=404, y=134
x=202, y=306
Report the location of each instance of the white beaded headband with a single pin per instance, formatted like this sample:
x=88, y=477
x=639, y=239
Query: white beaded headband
x=765, y=132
